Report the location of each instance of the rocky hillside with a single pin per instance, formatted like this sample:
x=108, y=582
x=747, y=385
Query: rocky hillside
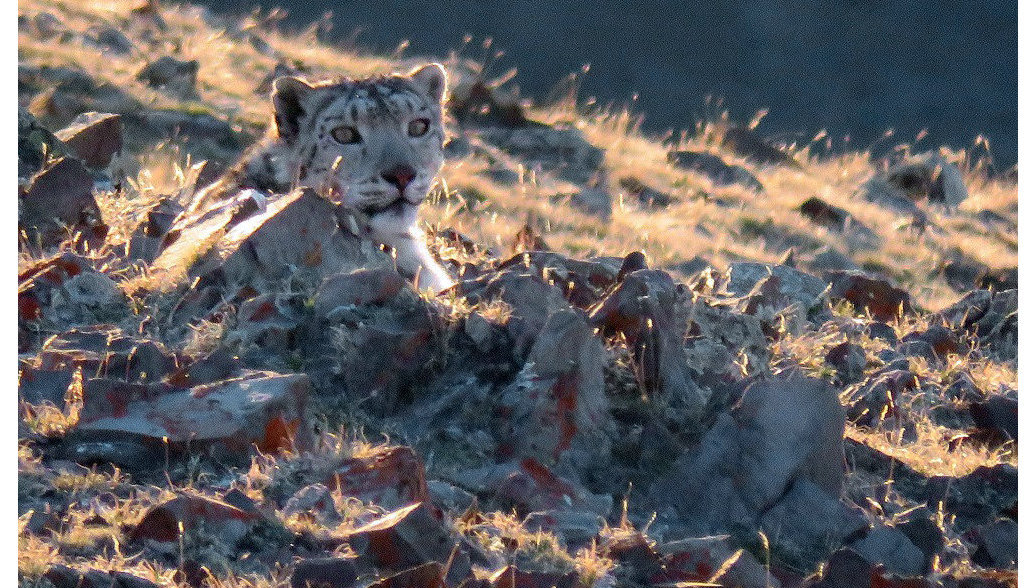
x=706, y=360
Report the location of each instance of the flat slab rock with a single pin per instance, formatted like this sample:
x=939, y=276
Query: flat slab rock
x=251, y=237
x=227, y=418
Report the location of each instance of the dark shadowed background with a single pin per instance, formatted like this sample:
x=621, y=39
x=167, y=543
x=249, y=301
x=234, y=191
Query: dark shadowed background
x=854, y=68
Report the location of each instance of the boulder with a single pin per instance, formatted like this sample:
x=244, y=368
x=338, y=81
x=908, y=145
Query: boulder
x=145, y=244
x=38, y=283
x=60, y=576
x=997, y=329
x=357, y=288
x=748, y=143
x=429, y=575
x=644, y=194
x=977, y=498
x=529, y=486
x=37, y=386
x=593, y=201
x=783, y=434
x=326, y=572
x=109, y=39
x=59, y=202
x=849, y=360
x=409, y=537
x=252, y=239
x=829, y=259
x=942, y=340
x=883, y=300
x=809, y=523
x=172, y=74
x=557, y=399
x=742, y=278
x=996, y=417
x=226, y=419
x=714, y=168
x=998, y=545
x=35, y=145
x=922, y=530
x=651, y=312
x=879, y=397
x=94, y=137
x=513, y=577
x=531, y=300
x=584, y=281
x=105, y=351
x=891, y=548
x=574, y=528
x=824, y=214
x=165, y=522
x=558, y=148
x=929, y=176
x=698, y=559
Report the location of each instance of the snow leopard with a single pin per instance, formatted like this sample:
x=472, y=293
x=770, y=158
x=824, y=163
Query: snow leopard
x=374, y=145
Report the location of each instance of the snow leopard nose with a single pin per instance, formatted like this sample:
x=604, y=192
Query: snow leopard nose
x=399, y=176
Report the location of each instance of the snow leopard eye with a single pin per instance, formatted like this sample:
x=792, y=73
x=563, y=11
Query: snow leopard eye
x=418, y=127
x=346, y=135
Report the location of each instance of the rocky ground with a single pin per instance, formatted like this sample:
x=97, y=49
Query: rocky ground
x=694, y=361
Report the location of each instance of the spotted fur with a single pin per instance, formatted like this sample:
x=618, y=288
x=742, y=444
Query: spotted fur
x=385, y=174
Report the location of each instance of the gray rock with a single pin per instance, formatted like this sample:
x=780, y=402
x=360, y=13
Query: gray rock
x=531, y=300
x=809, y=523
x=998, y=545
x=713, y=167
x=998, y=326
x=224, y=419
x=47, y=26
x=828, y=259
x=195, y=126
x=551, y=148
x=594, y=201
x=750, y=144
x=557, y=400
x=849, y=359
x=357, y=288
x=36, y=386
x=891, y=548
x=110, y=39
x=997, y=414
x=824, y=214
x=502, y=175
x=985, y=494
x=575, y=528
x=333, y=572
x=743, y=277
x=644, y=194
x=35, y=144
x=784, y=434
x=94, y=137
x=690, y=267
x=930, y=176
x=450, y=498
x=650, y=310
x=297, y=230
x=789, y=428
x=59, y=200
x=923, y=532
x=172, y=74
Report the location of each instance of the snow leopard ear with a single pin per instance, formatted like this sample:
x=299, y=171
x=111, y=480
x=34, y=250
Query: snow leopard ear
x=289, y=95
x=430, y=79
